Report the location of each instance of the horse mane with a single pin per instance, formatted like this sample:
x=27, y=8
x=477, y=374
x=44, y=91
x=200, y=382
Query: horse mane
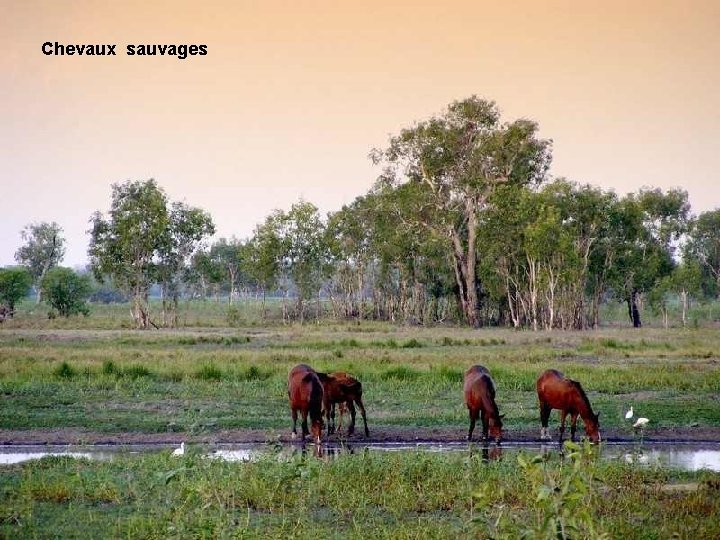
x=492, y=382
x=582, y=393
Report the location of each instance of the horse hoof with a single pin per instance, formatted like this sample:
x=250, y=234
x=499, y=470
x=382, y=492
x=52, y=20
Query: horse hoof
x=293, y=435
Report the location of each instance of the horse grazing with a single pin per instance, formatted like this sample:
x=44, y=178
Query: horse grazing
x=555, y=391
x=305, y=392
x=343, y=389
x=479, y=390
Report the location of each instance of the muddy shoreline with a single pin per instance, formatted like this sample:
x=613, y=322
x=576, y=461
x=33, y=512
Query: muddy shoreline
x=67, y=436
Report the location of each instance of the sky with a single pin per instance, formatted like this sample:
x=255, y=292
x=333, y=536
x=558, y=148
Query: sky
x=292, y=96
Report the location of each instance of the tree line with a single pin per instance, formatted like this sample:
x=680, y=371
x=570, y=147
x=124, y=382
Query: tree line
x=463, y=224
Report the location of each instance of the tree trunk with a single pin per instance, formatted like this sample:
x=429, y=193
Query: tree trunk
x=263, y=305
x=684, y=304
x=465, y=273
x=633, y=310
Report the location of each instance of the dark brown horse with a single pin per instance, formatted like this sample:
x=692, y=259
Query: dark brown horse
x=305, y=392
x=557, y=392
x=341, y=388
x=479, y=390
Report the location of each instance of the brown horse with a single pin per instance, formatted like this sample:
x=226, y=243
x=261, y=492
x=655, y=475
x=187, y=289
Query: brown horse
x=557, y=392
x=341, y=388
x=305, y=392
x=479, y=390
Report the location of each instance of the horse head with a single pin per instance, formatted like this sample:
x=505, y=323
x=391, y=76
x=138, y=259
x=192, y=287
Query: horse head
x=592, y=428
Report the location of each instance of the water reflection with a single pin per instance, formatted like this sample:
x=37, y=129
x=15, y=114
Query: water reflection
x=691, y=457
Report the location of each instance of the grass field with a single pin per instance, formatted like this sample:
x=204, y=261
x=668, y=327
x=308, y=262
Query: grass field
x=95, y=380
x=202, y=381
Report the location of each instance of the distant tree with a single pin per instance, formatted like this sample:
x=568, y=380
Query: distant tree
x=305, y=253
x=143, y=242
x=683, y=283
x=651, y=223
x=703, y=246
x=204, y=275
x=186, y=228
x=264, y=255
x=227, y=254
x=125, y=246
x=14, y=286
x=66, y=291
x=44, y=249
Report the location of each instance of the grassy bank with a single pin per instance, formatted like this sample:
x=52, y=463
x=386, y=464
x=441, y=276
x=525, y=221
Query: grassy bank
x=202, y=381
x=403, y=495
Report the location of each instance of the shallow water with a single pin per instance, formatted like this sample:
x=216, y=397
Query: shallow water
x=685, y=456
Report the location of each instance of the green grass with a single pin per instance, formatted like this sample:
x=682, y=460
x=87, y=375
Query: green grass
x=108, y=381
x=97, y=376
x=395, y=495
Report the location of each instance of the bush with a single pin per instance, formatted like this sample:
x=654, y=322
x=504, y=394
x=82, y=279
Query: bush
x=66, y=291
x=14, y=286
x=65, y=371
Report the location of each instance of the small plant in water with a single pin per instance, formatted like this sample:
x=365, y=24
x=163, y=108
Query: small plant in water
x=563, y=494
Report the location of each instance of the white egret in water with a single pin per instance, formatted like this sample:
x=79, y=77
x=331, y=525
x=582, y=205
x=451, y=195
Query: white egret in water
x=629, y=414
x=640, y=422
x=179, y=451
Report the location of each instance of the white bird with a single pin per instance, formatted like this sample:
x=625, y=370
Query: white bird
x=179, y=451
x=640, y=422
x=629, y=414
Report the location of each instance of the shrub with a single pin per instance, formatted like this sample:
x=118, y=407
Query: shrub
x=400, y=373
x=65, y=371
x=209, y=372
x=66, y=291
x=136, y=371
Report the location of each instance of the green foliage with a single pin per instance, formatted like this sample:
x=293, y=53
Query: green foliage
x=561, y=498
x=14, y=285
x=286, y=494
x=412, y=343
x=703, y=248
x=136, y=371
x=210, y=372
x=44, y=248
x=400, y=373
x=565, y=494
x=234, y=316
x=144, y=241
x=65, y=371
x=66, y=291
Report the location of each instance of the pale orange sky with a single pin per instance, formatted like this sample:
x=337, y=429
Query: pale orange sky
x=292, y=95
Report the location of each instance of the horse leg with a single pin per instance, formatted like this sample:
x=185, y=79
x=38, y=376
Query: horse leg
x=573, y=425
x=341, y=412
x=563, y=414
x=473, y=418
x=304, y=424
x=544, y=417
x=485, y=424
x=364, y=417
x=327, y=410
x=351, y=427
x=293, y=413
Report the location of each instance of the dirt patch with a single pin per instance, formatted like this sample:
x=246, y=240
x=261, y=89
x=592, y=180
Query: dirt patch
x=381, y=434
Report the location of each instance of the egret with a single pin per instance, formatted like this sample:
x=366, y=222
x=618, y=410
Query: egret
x=629, y=414
x=179, y=451
x=640, y=422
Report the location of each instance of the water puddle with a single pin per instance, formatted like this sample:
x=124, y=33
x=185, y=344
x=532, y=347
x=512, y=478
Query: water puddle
x=685, y=456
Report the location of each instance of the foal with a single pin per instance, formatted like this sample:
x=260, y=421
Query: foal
x=343, y=389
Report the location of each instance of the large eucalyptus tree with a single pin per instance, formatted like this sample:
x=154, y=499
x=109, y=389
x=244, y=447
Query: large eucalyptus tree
x=457, y=160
